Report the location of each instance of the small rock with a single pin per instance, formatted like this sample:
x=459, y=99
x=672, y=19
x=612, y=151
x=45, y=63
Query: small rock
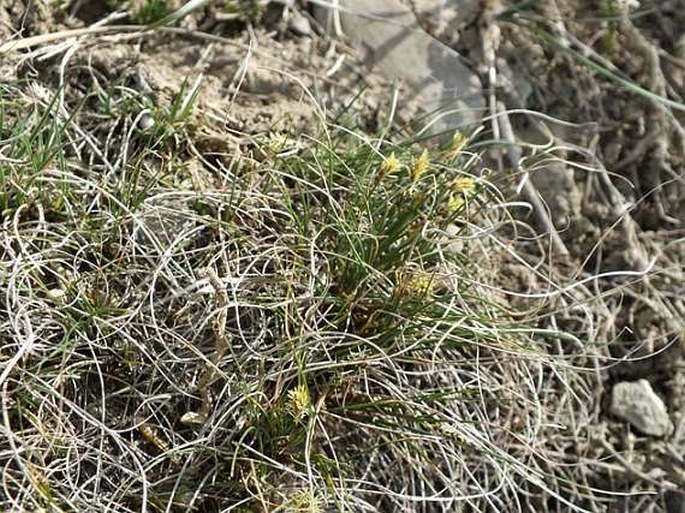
x=638, y=404
x=299, y=24
x=388, y=32
x=146, y=122
x=448, y=14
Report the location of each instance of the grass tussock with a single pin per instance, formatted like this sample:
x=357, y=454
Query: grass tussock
x=296, y=326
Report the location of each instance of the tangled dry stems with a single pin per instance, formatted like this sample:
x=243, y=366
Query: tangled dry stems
x=290, y=331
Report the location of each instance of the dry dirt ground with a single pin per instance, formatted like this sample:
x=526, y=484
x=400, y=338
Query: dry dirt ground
x=617, y=198
x=613, y=175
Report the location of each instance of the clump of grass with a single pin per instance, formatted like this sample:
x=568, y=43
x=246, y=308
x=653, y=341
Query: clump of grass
x=288, y=331
x=145, y=11
x=245, y=9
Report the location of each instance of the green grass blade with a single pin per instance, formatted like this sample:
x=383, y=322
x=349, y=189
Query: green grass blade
x=626, y=84
x=179, y=13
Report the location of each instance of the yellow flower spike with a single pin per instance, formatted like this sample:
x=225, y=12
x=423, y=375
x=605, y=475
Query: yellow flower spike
x=390, y=165
x=465, y=185
x=422, y=284
x=455, y=202
x=299, y=402
x=419, y=166
x=459, y=141
x=276, y=142
x=304, y=501
x=414, y=283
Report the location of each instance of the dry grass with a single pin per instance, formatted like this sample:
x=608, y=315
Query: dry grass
x=305, y=324
x=289, y=328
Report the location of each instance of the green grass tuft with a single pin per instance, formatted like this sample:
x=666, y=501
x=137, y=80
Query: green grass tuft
x=291, y=330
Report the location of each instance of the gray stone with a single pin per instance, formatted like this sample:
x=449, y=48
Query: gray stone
x=448, y=14
x=636, y=403
x=389, y=34
x=146, y=122
x=299, y=24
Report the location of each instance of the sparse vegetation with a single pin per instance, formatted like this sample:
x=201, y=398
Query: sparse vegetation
x=282, y=336
x=194, y=318
x=143, y=12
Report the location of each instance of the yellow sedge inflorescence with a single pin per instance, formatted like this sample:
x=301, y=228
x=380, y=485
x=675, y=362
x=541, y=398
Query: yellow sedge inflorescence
x=419, y=166
x=390, y=165
x=462, y=188
x=276, y=142
x=465, y=185
x=455, y=202
x=414, y=283
x=299, y=402
x=304, y=501
x=458, y=143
